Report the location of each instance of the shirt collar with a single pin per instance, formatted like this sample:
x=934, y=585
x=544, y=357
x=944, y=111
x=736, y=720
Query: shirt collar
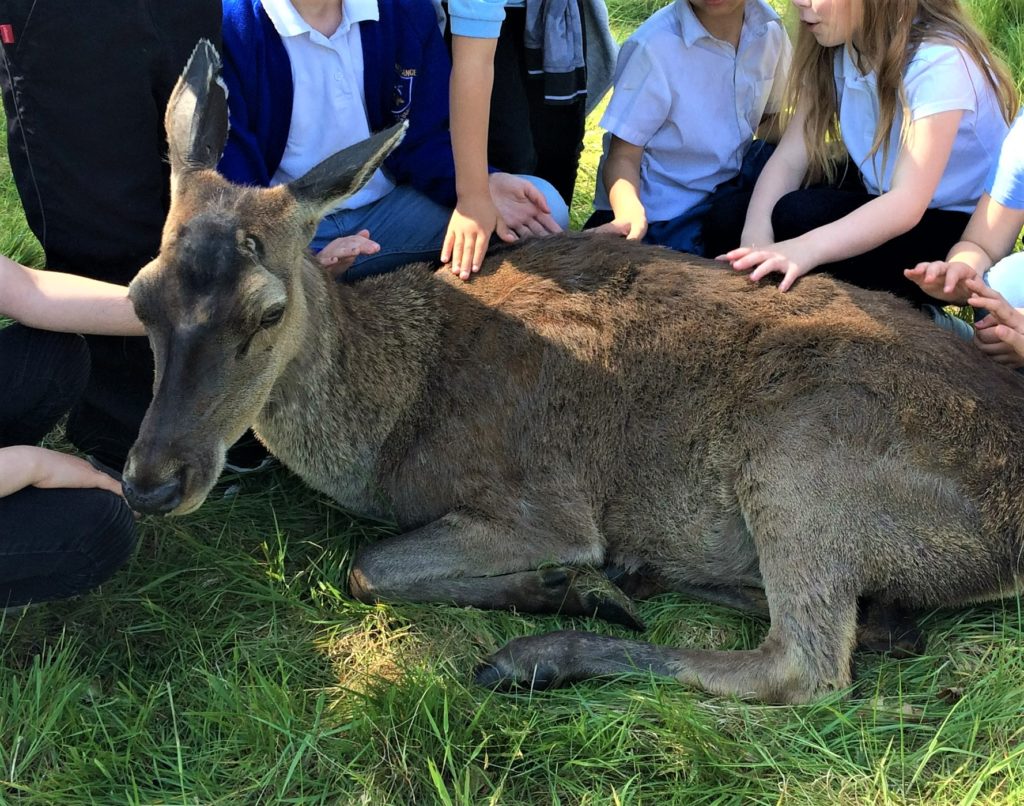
x=287, y=21
x=757, y=16
x=852, y=76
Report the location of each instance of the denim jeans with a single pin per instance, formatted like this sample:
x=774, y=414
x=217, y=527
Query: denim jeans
x=409, y=227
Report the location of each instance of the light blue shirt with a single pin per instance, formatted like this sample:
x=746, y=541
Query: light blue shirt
x=939, y=78
x=1006, y=181
x=693, y=102
x=479, y=18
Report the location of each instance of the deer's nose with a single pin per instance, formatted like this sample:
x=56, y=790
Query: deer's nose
x=154, y=499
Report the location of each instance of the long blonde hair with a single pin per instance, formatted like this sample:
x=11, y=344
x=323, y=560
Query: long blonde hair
x=889, y=35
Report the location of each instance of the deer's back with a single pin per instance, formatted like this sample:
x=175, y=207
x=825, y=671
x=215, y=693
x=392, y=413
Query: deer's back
x=594, y=372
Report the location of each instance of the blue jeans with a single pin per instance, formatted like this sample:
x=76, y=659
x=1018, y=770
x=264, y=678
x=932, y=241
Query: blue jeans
x=409, y=227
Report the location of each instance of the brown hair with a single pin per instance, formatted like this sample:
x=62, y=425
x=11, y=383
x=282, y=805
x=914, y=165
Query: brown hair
x=887, y=38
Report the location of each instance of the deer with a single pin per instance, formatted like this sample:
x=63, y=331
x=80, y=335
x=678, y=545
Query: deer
x=583, y=403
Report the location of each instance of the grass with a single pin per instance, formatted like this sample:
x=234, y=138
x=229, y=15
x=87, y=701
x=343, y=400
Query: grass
x=227, y=665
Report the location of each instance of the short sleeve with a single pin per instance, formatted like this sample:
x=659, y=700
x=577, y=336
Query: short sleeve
x=939, y=79
x=476, y=18
x=641, y=96
x=1006, y=180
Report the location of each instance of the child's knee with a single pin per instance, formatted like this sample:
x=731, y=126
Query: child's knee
x=1007, y=277
x=559, y=209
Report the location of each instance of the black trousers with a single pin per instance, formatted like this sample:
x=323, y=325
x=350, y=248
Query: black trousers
x=53, y=543
x=85, y=85
x=802, y=210
x=527, y=135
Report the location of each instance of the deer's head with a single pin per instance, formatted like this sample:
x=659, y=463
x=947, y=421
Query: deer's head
x=222, y=303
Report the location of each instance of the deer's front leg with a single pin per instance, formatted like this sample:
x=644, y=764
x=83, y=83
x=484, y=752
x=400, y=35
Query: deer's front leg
x=467, y=559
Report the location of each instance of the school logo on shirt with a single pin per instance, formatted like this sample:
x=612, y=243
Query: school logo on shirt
x=403, y=92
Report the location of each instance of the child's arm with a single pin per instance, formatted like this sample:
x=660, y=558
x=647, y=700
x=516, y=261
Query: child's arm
x=622, y=180
x=65, y=303
x=1000, y=335
x=783, y=172
x=989, y=237
x=919, y=167
x=475, y=216
x=27, y=466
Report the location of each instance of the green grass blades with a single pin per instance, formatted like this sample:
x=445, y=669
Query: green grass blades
x=227, y=665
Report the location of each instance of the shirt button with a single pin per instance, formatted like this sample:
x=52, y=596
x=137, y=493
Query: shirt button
x=338, y=76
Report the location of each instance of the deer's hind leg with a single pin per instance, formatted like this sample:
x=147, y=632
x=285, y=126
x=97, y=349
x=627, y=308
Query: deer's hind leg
x=467, y=559
x=806, y=653
x=807, y=539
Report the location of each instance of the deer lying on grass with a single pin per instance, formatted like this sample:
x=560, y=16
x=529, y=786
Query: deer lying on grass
x=581, y=403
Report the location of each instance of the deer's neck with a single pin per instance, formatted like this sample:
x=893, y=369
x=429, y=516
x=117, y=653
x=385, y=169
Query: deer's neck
x=359, y=370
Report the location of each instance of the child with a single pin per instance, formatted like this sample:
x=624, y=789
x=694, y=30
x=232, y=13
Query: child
x=307, y=78
x=64, y=527
x=920, y=103
x=553, y=60
x=87, y=151
x=692, y=86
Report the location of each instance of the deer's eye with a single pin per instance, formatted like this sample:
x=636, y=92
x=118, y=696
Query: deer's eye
x=272, y=316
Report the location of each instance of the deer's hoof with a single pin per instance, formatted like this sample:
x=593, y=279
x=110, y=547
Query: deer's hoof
x=532, y=663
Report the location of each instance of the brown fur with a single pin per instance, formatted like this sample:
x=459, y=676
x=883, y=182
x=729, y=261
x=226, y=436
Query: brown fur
x=588, y=402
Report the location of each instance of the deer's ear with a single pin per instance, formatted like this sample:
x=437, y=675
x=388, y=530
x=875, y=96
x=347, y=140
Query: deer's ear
x=197, y=114
x=343, y=174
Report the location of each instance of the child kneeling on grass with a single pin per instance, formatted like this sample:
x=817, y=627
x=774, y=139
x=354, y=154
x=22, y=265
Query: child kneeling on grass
x=989, y=239
x=693, y=85
x=307, y=78
x=920, y=103
x=64, y=527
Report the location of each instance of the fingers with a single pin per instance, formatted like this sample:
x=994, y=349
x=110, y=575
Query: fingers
x=343, y=251
x=454, y=244
x=611, y=228
x=753, y=259
x=463, y=260
x=735, y=254
x=766, y=267
x=534, y=195
x=1013, y=339
x=535, y=228
x=792, y=275
x=956, y=276
x=637, y=231
x=550, y=226
x=448, y=247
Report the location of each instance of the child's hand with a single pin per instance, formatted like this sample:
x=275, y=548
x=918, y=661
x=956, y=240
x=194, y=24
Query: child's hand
x=1000, y=335
x=942, y=280
x=522, y=206
x=469, y=233
x=630, y=223
x=788, y=258
x=341, y=253
x=29, y=466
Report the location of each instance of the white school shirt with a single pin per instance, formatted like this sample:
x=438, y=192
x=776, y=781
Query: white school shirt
x=1006, y=182
x=939, y=78
x=328, y=99
x=693, y=102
